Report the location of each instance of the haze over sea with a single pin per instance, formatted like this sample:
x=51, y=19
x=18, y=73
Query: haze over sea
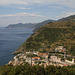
x=10, y=40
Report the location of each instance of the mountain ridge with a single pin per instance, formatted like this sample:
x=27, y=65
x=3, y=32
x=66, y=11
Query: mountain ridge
x=69, y=18
x=39, y=25
x=30, y=25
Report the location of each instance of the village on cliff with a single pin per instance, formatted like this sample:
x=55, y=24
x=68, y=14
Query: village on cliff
x=57, y=58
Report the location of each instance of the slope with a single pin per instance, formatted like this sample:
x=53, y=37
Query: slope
x=50, y=36
x=39, y=25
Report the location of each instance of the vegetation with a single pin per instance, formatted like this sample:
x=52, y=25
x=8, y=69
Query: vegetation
x=69, y=58
x=36, y=70
x=50, y=36
x=39, y=25
x=31, y=55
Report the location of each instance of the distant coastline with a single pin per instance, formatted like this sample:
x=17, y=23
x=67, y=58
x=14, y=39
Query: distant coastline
x=21, y=25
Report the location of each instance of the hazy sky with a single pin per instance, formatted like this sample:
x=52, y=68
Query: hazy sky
x=25, y=11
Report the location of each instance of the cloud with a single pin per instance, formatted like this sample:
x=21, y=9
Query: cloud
x=68, y=3
x=20, y=18
x=9, y=2
x=57, y=7
x=21, y=15
x=66, y=14
x=23, y=8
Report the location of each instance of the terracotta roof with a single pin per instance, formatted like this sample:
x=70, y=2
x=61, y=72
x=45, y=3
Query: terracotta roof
x=44, y=54
x=35, y=57
x=41, y=54
x=65, y=65
x=12, y=63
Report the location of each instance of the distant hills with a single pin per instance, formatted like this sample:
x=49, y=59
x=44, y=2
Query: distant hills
x=20, y=25
x=29, y=25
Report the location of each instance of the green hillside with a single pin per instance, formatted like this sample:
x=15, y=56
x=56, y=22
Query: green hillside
x=39, y=25
x=50, y=36
x=36, y=70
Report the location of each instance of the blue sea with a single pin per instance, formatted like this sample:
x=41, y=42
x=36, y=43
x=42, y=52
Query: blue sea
x=10, y=40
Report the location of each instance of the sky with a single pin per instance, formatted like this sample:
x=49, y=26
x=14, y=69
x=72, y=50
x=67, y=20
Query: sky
x=34, y=11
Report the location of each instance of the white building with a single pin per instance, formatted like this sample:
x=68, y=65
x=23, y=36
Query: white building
x=53, y=58
x=35, y=52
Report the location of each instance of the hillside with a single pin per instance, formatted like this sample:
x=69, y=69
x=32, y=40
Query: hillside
x=69, y=18
x=20, y=25
x=50, y=36
x=39, y=25
x=36, y=70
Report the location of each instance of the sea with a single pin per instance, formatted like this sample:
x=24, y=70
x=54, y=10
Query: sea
x=10, y=40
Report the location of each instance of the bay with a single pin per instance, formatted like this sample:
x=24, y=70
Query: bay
x=10, y=40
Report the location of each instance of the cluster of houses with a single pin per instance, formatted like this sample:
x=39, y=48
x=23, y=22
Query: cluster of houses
x=39, y=58
x=60, y=49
